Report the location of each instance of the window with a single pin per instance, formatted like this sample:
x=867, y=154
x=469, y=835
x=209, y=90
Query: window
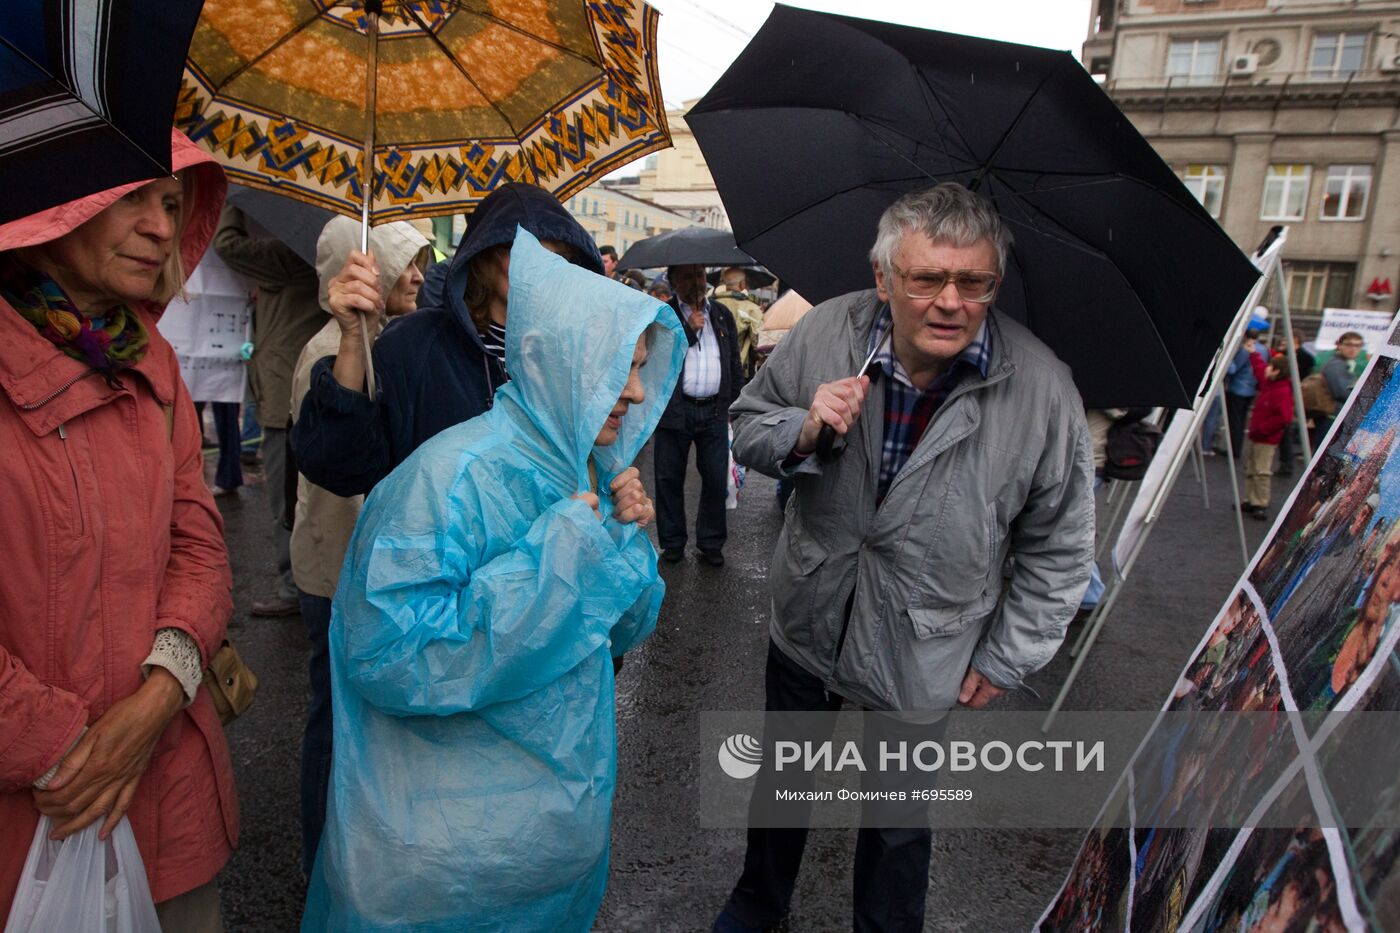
x=1193, y=62
x=1207, y=183
x=1313, y=286
x=1337, y=54
x=1348, y=189
x=1285, y=192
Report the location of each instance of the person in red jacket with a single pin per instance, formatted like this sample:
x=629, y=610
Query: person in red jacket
x=1272, y=414
x=116, y=590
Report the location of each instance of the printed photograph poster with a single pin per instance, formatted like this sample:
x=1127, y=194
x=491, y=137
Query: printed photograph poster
x=1097, y=894
x=1310, y=627
x=1276, y=879
x=1330, y=575
x=1372, y=846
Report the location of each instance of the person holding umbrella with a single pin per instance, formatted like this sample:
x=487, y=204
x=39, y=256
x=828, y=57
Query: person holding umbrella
x=435, y=368
x=965, y=448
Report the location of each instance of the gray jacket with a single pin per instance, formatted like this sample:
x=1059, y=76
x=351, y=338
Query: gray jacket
x=1003, y=470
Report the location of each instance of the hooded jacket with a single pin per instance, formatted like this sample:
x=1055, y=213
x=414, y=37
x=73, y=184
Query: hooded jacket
x=430, y=367
x=109, y=534
x=324, y=520
x=473, y=632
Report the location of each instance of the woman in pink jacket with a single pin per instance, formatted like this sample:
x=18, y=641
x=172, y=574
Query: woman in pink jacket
x=115, y=588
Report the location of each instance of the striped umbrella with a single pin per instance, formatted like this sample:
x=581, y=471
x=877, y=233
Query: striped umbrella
x=464, y=95
x=86, y=92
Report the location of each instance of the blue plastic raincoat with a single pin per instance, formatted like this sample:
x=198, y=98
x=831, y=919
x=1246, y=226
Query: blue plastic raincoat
x=478, y=612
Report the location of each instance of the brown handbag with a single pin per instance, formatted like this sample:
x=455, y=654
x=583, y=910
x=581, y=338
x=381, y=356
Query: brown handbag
x=232, y=684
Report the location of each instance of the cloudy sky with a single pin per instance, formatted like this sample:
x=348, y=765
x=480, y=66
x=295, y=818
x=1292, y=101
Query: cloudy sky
x=699, y=38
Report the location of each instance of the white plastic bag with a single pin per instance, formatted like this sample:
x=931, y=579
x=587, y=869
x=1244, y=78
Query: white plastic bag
x=83, y=884
x=735, y=479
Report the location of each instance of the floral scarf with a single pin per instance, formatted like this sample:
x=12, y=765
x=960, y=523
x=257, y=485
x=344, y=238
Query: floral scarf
x=108, y=343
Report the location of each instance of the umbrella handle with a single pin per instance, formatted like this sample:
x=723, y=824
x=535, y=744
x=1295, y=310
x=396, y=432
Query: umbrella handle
x=826, y=440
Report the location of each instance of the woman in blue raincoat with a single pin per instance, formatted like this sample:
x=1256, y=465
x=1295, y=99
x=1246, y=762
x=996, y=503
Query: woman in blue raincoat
x=484, y=595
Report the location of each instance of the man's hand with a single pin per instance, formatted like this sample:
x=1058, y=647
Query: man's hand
x=977, y=691
x=835, y=403
x=355, y=290
x=697, y=319
x=99, y=776
x=630, y=500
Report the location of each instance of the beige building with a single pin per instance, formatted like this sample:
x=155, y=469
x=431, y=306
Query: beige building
x=619, y=219
x=1273, y=112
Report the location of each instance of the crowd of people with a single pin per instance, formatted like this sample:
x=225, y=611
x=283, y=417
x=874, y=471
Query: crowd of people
x=1259, y=406
x=460, y=524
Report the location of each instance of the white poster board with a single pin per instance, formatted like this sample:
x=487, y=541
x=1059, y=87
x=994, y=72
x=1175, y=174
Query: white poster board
x=209, y=330
x=1373, y=325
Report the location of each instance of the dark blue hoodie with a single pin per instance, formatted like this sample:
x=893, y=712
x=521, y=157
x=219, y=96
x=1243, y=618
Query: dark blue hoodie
x=430, y=367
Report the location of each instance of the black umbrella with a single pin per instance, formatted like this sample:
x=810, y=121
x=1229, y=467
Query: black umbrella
x=701, y=246
x=753, y=277
x=1115, y=265
x=296, y=223
x=87, y=92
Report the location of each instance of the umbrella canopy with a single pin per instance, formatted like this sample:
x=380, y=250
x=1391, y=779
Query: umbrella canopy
x=86, y=92
x=295, y=223
x=754, y=277
x=1115, y=264
x=467, y=95
x=701, y=246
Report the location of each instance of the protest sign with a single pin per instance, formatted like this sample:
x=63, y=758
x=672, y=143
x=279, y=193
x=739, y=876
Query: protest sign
x=1374, y=326
x=208, y=329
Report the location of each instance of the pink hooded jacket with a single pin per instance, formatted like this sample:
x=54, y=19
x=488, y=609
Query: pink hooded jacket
x=109, y=534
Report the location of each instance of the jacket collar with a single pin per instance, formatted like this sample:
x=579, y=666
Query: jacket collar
x=48, y=388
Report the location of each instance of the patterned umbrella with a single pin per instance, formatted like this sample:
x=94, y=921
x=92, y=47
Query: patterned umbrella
x=467, y=94
x=86, y=89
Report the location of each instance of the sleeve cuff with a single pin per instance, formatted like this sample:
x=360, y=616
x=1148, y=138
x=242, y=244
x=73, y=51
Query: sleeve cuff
x=178, y=653
x=42, y=782
x=332, y=397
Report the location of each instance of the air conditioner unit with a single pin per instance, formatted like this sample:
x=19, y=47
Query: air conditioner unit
x=1390, y=63
x=1244, y=64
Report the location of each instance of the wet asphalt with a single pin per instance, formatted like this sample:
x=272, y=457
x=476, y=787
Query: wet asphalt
x=669, y=874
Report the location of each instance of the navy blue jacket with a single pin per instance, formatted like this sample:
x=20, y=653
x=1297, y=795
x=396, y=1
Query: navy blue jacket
x=430, y=367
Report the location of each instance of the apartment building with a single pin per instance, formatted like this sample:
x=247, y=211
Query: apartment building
x=1273, y=112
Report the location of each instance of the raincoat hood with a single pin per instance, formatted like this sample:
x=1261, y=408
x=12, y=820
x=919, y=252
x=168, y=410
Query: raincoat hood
x=570, y=336
x=493, y=223
x=394, y=245
x=201, y=216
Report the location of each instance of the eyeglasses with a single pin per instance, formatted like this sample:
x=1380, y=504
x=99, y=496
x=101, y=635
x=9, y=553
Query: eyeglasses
x=972, y=284
x=1352, y=343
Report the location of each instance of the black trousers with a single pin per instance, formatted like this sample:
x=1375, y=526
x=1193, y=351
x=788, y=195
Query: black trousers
x=892, y=864
x=1237, y=407
x=707, y=427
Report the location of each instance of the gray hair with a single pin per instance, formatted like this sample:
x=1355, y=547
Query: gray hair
x=946, y=213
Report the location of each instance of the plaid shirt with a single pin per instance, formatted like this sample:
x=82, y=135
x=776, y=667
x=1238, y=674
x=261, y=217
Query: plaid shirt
x=909, y=411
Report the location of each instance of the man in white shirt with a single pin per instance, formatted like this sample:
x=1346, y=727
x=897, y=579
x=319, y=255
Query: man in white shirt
x=698, y=413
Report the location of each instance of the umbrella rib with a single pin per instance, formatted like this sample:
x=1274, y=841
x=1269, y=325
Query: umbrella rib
x=932, y=98
x=282, y=40
x=457, y=63
x=1011, y=128
x=163, y=169
x=1152, y=324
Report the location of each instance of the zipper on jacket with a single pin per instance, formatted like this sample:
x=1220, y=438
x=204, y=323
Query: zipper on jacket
x=57, y=392
x=73, y=472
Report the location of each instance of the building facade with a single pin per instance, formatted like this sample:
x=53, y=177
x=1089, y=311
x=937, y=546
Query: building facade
x=619, y=219
x=678, y=178
x=1273, y=112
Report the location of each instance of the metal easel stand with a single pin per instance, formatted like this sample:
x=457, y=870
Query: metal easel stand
x=1266, y=260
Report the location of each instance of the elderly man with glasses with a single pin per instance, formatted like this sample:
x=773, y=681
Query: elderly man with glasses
x=961, y=452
